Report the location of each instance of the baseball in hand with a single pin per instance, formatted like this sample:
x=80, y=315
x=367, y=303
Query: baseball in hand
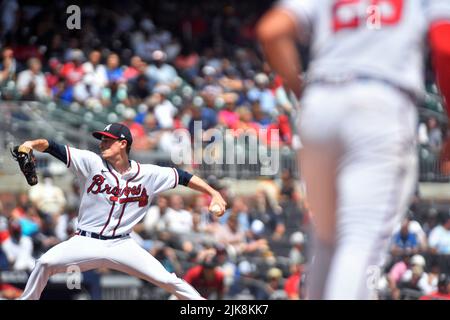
x=216, y=209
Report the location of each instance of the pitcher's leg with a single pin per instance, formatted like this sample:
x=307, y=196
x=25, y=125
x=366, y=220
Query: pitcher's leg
x=374, y=193
x=130, y=258
x=80, y=251
x=318, y=167
x=365, y=230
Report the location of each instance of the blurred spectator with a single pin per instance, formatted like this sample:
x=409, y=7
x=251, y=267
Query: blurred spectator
x=439, y=240
x=255, y=240
x=9, y=292
x=9, y=9
x=230, y=234
x=415, y=228
x=404, y=242
x=159, y=71
x=434, y=135
x=228, y=117
x=293, y=282
x=416, y=278
x=153, y=133
x=31, y=83
x=135, y=69
x=246, y=285
x=53, y=76
x=431, y=221
x=246, y=122
x=95, y=75
x=73, y=195
x=179, y=220
x=18, y=248
x=66, y=224
x=114, y=93
x=156, y=218
x=270, y=214
x=208, y=84
x=137, y=130
x=164, y=110
x=30, y=222
x=48, y=197
x=275, y=286
x=239, y=208
x=8, y=66
x=46, y=237
x=114, y=72
x=187, y=62
x=207, y=279
x=168, y=258
x=73, y=71
x=262, y=94
x=139, y=89
x=296, y=254
x=396, y=273
x=207, y=115
x=443, y=291
x=3, y=223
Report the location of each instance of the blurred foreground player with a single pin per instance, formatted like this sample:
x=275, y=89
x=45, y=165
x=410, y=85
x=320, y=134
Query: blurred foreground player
x=357, y=122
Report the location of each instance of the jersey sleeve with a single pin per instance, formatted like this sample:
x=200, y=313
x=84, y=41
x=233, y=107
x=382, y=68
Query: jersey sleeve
x=303, y=13
x=80, y=161
x=163, y=178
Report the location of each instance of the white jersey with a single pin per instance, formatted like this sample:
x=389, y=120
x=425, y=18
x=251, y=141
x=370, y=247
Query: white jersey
x=383, y=39
x=111, y=203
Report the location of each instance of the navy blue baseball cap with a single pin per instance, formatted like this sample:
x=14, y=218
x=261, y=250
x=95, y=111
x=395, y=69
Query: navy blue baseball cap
x=116, y=131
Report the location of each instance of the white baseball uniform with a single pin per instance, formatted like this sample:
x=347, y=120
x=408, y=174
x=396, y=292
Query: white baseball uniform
x=358, y=127
x=111, y=204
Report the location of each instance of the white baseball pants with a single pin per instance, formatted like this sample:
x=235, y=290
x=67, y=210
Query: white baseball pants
x=122, y=254
x=359, y=165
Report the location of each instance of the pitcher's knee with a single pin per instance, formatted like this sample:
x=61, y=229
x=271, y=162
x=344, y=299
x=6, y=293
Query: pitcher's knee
x=46, y=263
x=170, y=280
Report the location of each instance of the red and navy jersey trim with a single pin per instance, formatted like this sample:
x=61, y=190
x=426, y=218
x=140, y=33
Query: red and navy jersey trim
x=69, y=157
x=114, y=203
x=176, y=178
x=125, y=204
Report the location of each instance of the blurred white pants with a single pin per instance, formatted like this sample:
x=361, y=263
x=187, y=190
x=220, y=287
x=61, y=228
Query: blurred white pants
x=359, y=165
x=122, y=254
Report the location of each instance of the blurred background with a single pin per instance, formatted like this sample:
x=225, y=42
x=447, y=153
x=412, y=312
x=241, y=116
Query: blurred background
x=158, y=66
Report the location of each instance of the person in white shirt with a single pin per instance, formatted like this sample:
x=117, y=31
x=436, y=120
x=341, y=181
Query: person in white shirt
x=439, y=239
x=31, y=83
x=18, y=248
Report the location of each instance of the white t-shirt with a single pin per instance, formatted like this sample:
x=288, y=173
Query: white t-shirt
x=440, y=240
x=20, y=254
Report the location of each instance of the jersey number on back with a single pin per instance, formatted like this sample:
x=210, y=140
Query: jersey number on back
x=346, y=13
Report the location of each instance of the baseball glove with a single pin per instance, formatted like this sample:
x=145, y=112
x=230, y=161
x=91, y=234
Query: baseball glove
x=27, y=163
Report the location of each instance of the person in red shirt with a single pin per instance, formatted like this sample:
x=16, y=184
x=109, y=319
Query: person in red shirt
x=9, y=292
x=443, y=292
x=207, y=279
x=292, y=284
x=72, y=71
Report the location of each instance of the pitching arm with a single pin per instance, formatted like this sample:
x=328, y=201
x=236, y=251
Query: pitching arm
x=198, y=184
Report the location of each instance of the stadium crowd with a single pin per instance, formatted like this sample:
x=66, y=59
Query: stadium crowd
x=160, y=67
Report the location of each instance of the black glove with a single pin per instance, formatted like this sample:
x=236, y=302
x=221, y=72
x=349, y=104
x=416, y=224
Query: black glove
x=27, y=163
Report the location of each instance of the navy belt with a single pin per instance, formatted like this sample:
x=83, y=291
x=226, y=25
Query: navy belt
x=99, y=236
